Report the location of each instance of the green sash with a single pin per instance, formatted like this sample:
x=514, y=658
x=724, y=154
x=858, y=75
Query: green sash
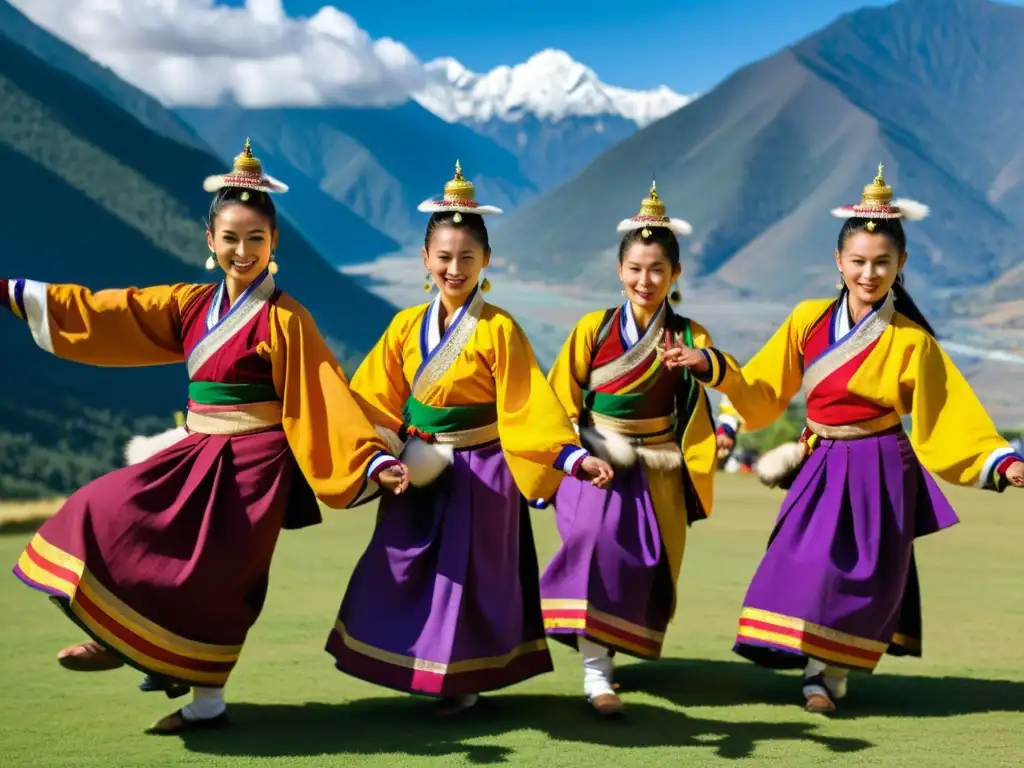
x=456, y=418
x=217, y=393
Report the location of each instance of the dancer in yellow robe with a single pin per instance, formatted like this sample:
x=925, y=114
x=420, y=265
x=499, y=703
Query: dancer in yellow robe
x=837, y=588
x=445, y=599
x=612, y=584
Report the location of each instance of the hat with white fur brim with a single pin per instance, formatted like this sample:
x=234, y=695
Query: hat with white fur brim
x=877, y=203
x=459, y=197
x=652, y=214
x=246, y=174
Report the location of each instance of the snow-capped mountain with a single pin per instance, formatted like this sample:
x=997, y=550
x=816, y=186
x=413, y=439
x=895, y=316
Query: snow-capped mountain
x=550, y=85
x=551, y=110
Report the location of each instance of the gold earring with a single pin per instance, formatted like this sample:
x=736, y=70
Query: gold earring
x=840, y=283
x=272, y=267
x=676, y=296
x=485, y=286
x=428, y=284
x=211, y=263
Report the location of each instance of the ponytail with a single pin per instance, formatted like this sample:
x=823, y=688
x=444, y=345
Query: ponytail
x=905, y=305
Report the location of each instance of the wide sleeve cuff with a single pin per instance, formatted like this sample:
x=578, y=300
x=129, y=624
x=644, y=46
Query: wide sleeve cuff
x=570, y=458
x=993, y=474
x=713, y=376
x=1004, y=466
x=12, y=297
x=379, y=463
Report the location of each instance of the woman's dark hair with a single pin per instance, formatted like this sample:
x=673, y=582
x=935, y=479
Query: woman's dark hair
x=893, y=230
x=473, y=222
x=662, y=236
x=258, y=201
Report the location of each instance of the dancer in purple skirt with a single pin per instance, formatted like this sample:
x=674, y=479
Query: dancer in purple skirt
x=165, y=563
x=445, y=599
x=612, y=585
x=838, y=588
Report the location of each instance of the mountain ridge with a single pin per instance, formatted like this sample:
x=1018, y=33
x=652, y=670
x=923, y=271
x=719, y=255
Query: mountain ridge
x=756, y=164
x=104, y=201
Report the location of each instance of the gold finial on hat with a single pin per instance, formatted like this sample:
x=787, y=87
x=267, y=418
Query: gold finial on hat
x=653, y=206
x=458, y=189
x=245, y=162
x=877, y=193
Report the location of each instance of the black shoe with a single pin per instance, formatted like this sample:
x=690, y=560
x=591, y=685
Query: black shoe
x=154, y=684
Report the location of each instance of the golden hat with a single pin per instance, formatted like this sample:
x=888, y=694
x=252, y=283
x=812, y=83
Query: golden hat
x=246, y=174
x=876, y=202
x=652, y=214
x=459, y=196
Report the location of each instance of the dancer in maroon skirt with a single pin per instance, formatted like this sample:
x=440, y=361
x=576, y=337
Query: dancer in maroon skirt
x=165, y=563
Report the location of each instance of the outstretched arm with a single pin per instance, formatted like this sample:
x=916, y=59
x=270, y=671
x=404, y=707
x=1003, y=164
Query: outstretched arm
x=759, y=391
x=116, y=327
x=951, y=432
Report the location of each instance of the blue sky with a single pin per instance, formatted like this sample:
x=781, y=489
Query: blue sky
x=689, y=45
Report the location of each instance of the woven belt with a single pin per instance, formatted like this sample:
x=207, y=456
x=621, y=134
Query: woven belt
x=660, y=429
x=855, y=431
x=236, y=420
x=468, y=438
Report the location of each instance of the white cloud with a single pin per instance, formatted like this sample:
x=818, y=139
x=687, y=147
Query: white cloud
x=196, y=53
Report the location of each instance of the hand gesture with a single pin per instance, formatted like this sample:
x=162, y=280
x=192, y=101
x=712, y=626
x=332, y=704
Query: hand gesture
x=395, y=478
x=674, y=354
x=725, y=444
x=1015, y=474
x=597, y=471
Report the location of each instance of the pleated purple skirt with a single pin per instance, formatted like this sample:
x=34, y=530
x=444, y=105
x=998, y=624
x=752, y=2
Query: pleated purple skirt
x=445, y=600
x=838, y=582
x=610, y=580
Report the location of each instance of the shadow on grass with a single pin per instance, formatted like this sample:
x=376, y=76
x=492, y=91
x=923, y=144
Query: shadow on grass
x=21, y=526
x=699, y=683
x=406, y=726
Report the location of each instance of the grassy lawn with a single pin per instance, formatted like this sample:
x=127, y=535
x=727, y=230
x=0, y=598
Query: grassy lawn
x=962, y=705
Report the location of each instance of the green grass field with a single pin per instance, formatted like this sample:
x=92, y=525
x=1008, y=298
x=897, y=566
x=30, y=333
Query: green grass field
x=962, y=705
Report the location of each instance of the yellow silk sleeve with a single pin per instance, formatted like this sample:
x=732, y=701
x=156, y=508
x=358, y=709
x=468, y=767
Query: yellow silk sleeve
x=761, y=389
x=534, y=428
x=379, y=384
x=333, y=441
x=699, y=446
x=123, y=327
x=568, y=376
x=952, y=434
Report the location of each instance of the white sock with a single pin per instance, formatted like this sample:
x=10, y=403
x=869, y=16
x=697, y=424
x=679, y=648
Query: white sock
x=206, y=704
x=597, y=668
x=835, y=679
